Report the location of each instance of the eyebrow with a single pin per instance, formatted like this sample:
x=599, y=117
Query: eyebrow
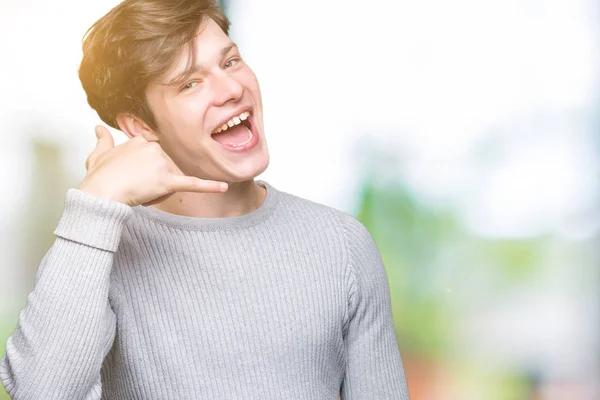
x=197, y=67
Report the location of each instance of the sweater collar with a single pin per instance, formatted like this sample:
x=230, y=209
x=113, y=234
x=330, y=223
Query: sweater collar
x=196, y=223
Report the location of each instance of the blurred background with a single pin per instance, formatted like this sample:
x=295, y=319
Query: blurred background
x=465, y=135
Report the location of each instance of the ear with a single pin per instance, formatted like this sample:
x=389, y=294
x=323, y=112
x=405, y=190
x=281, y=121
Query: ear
x=133, y=126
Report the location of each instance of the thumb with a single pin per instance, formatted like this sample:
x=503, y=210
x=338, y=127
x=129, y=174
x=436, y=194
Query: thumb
x=105, y=140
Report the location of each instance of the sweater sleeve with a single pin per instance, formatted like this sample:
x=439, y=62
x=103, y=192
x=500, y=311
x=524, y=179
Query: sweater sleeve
x=374, y=368
x=67, y=326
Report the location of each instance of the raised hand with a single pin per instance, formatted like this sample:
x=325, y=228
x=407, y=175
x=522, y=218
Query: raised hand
x=137, y=172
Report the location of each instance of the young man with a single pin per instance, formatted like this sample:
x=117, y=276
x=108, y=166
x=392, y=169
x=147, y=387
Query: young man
x=162, y=285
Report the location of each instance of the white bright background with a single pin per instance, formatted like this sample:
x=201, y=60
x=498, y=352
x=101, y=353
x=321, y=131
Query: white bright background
x=515, y=81
x=433, y=76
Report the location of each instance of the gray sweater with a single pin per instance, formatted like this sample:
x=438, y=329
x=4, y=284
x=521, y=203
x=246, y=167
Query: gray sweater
x=289, y=301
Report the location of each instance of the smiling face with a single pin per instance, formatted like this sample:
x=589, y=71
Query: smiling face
x=220, y=92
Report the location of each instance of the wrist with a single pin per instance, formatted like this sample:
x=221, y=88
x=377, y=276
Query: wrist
x=100, y=192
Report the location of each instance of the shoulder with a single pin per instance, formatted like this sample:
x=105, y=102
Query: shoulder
x=358, y=244
x=351, y=231
x=304, y=207
x=300, y=205
x=364, y=263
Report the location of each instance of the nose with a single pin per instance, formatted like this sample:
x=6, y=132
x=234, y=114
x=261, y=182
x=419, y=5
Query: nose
x=226, y=88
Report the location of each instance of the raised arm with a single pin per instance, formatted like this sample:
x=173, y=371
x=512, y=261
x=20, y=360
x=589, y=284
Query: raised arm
x=67, y=326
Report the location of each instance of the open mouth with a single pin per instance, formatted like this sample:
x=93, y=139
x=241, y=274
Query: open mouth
x=236, y=132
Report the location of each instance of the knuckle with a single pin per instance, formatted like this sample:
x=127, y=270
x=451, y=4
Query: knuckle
x=153, y=148
x=160, y=164
x=153, y=145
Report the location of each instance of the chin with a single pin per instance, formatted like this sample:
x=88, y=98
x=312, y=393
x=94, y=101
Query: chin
x=249, y=169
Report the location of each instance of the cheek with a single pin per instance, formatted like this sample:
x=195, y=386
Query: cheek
x=190, y=111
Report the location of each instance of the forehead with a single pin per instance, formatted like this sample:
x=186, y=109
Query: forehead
x=210, y=38
x=208, y=44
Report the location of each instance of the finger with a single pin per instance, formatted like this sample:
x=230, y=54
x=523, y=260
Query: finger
x=183, y=183
x=105, y=140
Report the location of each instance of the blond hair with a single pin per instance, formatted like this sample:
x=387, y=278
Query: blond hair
x=135, y=43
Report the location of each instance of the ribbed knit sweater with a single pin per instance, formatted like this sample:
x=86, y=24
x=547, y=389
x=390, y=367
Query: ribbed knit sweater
x=289, y=301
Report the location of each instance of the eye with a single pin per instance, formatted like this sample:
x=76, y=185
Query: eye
x=232, y=62
x=188, y=85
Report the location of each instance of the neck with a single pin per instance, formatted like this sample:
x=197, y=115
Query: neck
x=239, y=199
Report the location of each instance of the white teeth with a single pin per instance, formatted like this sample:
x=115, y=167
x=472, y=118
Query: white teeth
x=233, y=121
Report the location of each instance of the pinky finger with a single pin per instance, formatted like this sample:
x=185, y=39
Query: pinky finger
x=183, y=183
